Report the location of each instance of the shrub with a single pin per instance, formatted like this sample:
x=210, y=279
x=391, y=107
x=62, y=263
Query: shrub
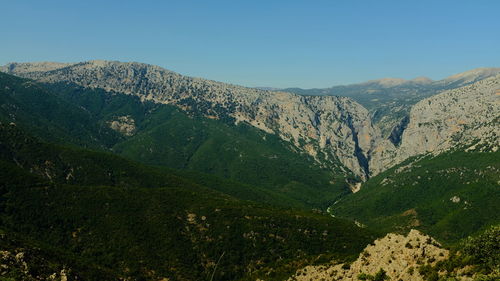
x=381, y=275
x=346, y=266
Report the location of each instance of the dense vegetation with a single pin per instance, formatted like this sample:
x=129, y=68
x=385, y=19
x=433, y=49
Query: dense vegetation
x=26, y=259
x=171, y=227
x=241, y=153
x=78, y=166
x=49, y=117
x=449, y=196
x=379, y=276
x=189, y=198
x=105, y=217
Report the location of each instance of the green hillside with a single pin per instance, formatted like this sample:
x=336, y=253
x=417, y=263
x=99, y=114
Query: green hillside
x=166, y=136
x=49, y=117
x=70, y=165
x=29, y=260
x=179, y=196
x=449, y=196
x=241, y=153
x=104, y=226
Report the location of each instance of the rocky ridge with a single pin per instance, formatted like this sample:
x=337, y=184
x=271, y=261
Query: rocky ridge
x=330, y=128
x=397, y=255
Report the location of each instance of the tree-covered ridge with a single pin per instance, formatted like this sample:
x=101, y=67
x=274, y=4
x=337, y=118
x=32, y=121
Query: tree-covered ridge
x=449, y=196
x=41, y=112
x=241, y=153
x=71, y=165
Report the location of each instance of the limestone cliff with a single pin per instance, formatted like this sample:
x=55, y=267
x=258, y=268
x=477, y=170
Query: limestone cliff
x=328, y=128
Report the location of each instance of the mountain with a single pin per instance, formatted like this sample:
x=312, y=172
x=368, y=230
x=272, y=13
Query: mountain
x=335, y=131
x=470, y=76
x=128, y=170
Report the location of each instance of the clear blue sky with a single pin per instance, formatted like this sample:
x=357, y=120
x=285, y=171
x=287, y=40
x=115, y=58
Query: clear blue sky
x=261, y=43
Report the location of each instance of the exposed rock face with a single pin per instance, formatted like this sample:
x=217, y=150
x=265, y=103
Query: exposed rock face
x=124, y=125
x=399, y=256
x=465, y=117
x=328, y=128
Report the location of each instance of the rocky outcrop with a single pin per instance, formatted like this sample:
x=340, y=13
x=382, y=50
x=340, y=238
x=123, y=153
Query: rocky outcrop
x=125, y=125
x=329, y=128
x=397, y=255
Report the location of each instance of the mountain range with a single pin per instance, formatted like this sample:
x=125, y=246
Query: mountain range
x=390, y=99
x=331, y=129
x=163, y=163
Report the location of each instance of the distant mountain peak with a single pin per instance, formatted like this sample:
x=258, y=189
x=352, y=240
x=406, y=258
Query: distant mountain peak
x=422, y=80
x=473, y=75
x=387, y=82
x=393, y=82
x=268, y=88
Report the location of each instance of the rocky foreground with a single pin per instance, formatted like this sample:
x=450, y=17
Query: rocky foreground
x=395, y=256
